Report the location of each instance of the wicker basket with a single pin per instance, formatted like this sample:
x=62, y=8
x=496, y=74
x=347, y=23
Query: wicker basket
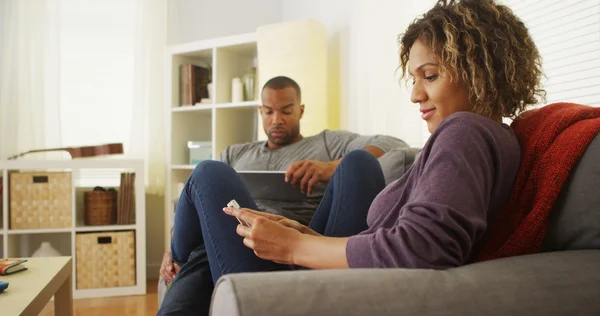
x=40, y=200
x=100, y=207
x=105, y=259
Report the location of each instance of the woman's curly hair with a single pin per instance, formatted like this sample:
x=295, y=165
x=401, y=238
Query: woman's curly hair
x=488, y=47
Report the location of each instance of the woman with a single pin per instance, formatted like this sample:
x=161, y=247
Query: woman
x=471, y=63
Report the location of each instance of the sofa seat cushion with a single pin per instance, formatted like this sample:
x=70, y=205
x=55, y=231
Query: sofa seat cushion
x=557, y=283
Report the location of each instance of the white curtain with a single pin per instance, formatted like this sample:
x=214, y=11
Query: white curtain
x=147, y=138
x=29, y=76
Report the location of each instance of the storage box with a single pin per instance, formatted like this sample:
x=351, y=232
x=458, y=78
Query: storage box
x=40, y=200
x=199, y=151
x=100, y=207
x=105, y=259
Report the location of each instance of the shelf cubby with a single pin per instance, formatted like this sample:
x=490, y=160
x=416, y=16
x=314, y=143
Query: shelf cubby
x=231, y=62
x=245, y=121
x=24, y=244
x=202, y=58
x=191, y=126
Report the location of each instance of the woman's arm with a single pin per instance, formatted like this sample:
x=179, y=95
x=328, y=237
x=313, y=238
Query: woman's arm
x=319, y=252
x=289, y=244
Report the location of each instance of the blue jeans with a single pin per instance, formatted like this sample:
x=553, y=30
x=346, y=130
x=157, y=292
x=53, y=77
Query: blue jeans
x=205, y=242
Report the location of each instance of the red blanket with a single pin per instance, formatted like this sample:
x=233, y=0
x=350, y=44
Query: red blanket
x=552, y=140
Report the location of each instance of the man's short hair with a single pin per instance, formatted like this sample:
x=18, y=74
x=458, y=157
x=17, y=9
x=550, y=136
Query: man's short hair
x=282, y=82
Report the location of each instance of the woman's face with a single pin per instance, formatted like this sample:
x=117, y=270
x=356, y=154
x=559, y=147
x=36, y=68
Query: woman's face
x=438, y=96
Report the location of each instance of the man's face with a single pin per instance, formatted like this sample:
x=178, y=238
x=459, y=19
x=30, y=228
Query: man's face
x=281, y=112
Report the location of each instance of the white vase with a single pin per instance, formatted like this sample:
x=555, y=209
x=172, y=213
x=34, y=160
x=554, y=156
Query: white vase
x=46, y=250
x=237, y=90
x=209, y=87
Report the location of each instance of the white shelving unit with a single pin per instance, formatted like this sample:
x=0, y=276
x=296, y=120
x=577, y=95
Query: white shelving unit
x=221, y=122
x=296, y=49
x=23, y=242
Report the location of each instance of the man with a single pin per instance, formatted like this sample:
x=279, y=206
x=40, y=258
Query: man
x=309, y=162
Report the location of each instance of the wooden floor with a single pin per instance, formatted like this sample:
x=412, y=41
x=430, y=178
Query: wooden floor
x=141, y=305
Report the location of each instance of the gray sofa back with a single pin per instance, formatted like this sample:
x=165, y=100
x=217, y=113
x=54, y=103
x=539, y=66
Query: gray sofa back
x=575, y=219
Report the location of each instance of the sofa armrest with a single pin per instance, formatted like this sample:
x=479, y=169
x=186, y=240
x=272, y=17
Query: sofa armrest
x=558, y=283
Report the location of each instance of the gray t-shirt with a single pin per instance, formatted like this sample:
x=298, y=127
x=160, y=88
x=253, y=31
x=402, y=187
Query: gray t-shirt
x=325, y=146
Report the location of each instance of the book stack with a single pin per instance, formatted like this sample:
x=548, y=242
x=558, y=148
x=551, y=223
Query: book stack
x=126, y=199
x=194, y=84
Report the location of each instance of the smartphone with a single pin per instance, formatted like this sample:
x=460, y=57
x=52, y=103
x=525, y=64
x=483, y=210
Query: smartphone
x=3, y=286
x=234, y=204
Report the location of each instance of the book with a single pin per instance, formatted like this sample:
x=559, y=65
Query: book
x=10, y=266
x=194, y=84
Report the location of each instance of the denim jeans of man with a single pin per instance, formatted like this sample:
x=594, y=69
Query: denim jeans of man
x=205, y=243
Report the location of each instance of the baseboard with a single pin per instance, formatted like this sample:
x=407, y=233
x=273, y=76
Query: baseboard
x=152, y=271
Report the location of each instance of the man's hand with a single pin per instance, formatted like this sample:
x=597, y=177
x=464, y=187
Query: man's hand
x=307, y=173
x=168, y=269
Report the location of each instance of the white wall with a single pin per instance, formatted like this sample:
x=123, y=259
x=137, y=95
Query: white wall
x=191, y=20
x=363, y=51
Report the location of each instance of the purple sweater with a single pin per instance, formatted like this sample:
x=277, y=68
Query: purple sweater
x=433, y=215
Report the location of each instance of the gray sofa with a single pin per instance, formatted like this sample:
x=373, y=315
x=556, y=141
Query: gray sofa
x=562, y=280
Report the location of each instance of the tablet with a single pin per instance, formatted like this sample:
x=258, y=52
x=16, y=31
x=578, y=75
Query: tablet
x=270, y=185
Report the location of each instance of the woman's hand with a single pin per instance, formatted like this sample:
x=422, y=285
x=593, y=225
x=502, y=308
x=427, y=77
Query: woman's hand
x=270, y=239
x=281, y=220
x=297, y=226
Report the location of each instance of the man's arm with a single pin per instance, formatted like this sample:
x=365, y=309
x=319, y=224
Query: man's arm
x=374, y=150
x=307, y=173
x=340, y=143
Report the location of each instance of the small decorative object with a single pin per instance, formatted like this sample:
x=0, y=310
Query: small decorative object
x=199, y=151
x=46, y=250
x=100, y=206
x=237, y=92
x=249, y=86
x=209, y=87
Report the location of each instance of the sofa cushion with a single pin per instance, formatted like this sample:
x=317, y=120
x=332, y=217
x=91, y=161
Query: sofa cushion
x=556, y=283
x=574, y=221
x=396, y=162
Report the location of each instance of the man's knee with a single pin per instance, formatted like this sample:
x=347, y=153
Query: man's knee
x=210, y=168
x=359, y=157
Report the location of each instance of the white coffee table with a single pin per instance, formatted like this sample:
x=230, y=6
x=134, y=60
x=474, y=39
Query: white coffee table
x=29, y=291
